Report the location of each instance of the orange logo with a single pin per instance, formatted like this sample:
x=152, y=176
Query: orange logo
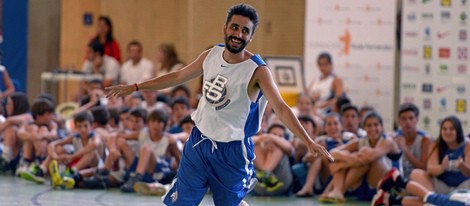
x=319, y=20
x=337, y=8
x=346, y=40
x=379, y=21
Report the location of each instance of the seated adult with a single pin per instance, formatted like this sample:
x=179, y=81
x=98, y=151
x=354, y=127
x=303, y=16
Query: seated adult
x=99, y=63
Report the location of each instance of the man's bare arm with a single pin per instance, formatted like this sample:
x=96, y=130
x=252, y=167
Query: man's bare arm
x=192, y=70
x=263, y=78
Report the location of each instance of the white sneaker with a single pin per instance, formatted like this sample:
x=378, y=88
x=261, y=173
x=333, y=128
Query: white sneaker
x=155, y=189
x=23, y=167
x=461, y=195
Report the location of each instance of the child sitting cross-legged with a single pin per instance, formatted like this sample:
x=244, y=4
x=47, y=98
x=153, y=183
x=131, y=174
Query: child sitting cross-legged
x=87, y=151
x=157, y=150
x=153, y=160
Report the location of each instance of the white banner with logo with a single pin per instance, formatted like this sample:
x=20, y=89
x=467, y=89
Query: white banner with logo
x=360, y=36
x=435, y=60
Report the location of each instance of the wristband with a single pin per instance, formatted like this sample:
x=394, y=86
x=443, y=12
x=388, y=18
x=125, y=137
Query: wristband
x=136, y=87
x=453, y=165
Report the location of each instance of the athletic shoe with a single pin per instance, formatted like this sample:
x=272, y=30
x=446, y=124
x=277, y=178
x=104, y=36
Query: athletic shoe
x=261, y=176
x=67, y=183
x=460, y=195
x=56, y=179
x=379, y=198
x=95, y=182
x=154, y=189
x=128, y=186
x=34, y=174
x=4, y=165
x=102, y=173
x=272, y=183
x=275, y=187
x=388, y=182
x=23, y=167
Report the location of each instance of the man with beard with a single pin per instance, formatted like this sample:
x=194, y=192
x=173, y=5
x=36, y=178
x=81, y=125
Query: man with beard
x=236, y=86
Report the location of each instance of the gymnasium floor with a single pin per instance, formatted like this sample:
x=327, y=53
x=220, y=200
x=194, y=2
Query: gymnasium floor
x=15, y=191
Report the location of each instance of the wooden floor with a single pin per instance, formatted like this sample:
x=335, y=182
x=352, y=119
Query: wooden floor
x=15, y=191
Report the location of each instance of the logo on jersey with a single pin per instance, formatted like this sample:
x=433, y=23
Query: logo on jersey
x=174, y=196
x=215, y=92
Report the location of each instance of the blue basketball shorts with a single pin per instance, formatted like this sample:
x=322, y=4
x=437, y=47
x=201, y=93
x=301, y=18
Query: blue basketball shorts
x=224, y=167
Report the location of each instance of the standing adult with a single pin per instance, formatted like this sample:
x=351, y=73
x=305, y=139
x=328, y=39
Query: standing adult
x=99, y=63
x=325, y=89
x=167, y=60
x=105, y=37
x=219, y=153
x=137, y=68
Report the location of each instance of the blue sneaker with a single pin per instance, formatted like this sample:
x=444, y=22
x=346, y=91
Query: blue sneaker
x=443, y=199
x=128, y=186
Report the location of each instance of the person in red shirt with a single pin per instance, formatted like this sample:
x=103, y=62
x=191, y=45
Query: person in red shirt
x=105, y=37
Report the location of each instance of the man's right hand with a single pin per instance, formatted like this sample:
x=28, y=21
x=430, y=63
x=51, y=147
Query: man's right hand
x=119, y=90
x=316, y=149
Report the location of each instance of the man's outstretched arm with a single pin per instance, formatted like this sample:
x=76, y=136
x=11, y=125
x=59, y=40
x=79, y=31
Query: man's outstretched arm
x=192, y=70
x=263, y=78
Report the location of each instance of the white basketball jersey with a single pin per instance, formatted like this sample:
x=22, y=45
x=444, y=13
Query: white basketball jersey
x=225, y=111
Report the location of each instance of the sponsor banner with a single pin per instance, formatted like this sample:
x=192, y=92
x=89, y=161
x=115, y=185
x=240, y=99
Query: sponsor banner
x=360, y=36
x=435, y=60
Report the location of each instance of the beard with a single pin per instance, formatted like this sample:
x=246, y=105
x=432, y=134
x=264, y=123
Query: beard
x=232, y=49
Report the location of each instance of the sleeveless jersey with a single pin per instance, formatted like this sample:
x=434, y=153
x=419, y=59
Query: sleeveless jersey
x=225, y=111
x=455, y=177
x=323, y=87
x=331, y=143
x=404, y=165
x=77, y=141
x=415, y=149
x=389, y=160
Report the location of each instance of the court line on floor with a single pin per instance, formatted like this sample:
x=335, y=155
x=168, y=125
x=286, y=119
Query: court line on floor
x=36, y=196
x=99, y=197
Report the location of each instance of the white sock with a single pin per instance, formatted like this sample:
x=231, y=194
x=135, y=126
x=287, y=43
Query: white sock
x=43, y=168
x=426, y=196
x=7, y=153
